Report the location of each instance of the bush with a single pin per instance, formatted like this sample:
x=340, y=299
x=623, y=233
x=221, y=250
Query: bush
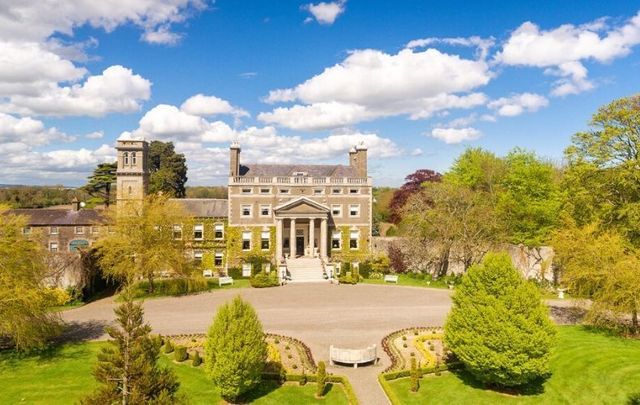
x=264, y=280
x=321, y=379
x=348, y=279
x=180, y=354
x=235, y=349
x=415, y=376
x=172, y=286
x=376, y=276
x=168, y=347
x=365, y=270
x=235, y=273
x=634, y=399
x=197, y=360
x=396, y=258
x=498, y=326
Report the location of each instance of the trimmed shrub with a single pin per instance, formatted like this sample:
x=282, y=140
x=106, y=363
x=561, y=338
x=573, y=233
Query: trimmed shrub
x=499, y=327
x=264, y=280
x=415, y=376
x=235, y=273
x=197, y=360
x=634, y=399
x=348, y=279
x=168, y=347
x=180, y=354
x=321, y=379
x=365, y=269
x=172, y=287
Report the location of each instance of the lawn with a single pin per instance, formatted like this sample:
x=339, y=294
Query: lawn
x=164, y=288
x=405, y=280
x=588, y=367
x=63, y=376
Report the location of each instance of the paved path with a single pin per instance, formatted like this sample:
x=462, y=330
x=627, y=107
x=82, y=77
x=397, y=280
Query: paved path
x=318, y=314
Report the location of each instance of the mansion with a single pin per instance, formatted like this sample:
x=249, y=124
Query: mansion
x=296, y=215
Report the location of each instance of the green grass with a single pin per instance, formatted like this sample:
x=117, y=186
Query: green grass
x=140, y=289
x=405, y=280
x=63, y=376
x=588, y=367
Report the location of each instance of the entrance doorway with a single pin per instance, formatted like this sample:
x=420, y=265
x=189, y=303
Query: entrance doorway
x=300, y=245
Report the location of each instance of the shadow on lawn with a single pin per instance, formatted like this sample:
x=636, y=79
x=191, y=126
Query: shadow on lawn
x=534, y=388
x=264, y=389
x=81, y=332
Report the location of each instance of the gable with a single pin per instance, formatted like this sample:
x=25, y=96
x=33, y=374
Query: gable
x=301, y=206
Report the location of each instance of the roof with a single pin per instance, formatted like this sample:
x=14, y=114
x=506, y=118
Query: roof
x=204, y=207
x=49, y=216
x=268, y=170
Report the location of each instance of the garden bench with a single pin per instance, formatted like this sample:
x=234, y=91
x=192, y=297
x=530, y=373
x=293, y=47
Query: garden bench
x=391, y=278
x=207, y=273
x=225, y=280
x=353, y=356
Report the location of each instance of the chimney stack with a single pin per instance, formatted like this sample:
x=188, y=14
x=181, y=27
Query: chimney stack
x=358, y=159
x=234, y=159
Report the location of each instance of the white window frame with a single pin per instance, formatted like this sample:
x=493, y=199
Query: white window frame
x=246, y=237
x=215, y=231
x=95, y=230
x=216, y=256
x=265, y=236
x=196, y=228
x=125, y=158
x=54, y=230
x=242, y=208
x=336, y=235
x=284, y=191
x=339, y=207
x=357, y=239
x=336, y=191
x=265, y=190
x=268, y=207
x=318, y=191
x=78, y=230
x=357, y=210
x=57, y=247
x=198, y=255
x=247, y=190
x=176, y=228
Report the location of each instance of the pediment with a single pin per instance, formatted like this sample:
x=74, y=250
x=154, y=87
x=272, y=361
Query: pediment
x=301, y=206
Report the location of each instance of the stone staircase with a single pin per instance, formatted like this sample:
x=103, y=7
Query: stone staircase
x=305, y=270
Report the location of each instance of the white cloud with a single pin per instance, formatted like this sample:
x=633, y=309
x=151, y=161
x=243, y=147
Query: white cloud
x=455, y=135
x=325, y=13
x=95, y=135
x=482, y=44
x=518, y=104
x=210, y=105
x=565, y=49
x=28, y=131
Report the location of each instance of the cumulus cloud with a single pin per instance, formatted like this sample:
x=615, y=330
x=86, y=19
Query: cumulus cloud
x=325, y=12
x=518, y=104
x=563, y=50
x=455, y=135
x=483, y=45
x=28, y=131
x=210, y=105
x=370, y=84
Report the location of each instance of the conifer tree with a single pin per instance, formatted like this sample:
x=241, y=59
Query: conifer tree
x=235, y=350
x=415, y=376
x=498, y=327
x=321, y=380
x=127, y=368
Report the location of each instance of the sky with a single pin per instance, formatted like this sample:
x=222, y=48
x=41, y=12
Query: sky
x=417, y=82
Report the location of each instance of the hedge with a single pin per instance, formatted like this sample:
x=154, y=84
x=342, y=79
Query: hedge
x=336, y=379
x=264, y=280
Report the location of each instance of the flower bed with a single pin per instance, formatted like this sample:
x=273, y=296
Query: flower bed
x=422, y=343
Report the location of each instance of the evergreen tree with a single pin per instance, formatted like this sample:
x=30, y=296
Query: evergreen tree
x=235, y=350
x=168, y=169
x=415, y=376
x=498, y=327
x=127, y=369
x=321, y=380
x=99, y=184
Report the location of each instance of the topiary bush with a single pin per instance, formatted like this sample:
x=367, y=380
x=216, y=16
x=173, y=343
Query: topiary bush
x=264, y=280
x=180, y=354
x=321, y=379
x=235, y=273
x=498, y=326
x=365, y=269
x=197, y=360
x=415, y=376
x=168, y=347
x=634, y=399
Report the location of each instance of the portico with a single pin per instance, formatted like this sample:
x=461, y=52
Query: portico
x=301, y=229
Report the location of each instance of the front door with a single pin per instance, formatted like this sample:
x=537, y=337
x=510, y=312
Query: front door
x=300, y=245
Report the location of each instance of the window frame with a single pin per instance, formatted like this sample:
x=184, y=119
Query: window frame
x=336, y=191
x=248, y=240
x=216, y=256
x=215, y=231
x=263, y=240
x=338, y=239
x=51, y=230
x=76, y=228
x=357, y=239
x=357, y=215
x=246, y=191
x=242, y=209
x=174, y=231
x=268, y=214
x=57, y=248
x=339, y=214
x=201, y=230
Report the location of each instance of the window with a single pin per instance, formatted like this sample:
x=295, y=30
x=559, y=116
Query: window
x=354, y=237
x=197, y=256
x=264, y=240
x=53, y=246
x=354, y=191
x=133, y=158
x=79, y=230
x=265, y=191
x=218, y=231
x=336, y=191
x=177, y=232
x=284, y=191
x=336, y=210
x=285, y=243
x=95, y=230
x=354, y=210
x=246, y=210
x=246, y=240
x=198, y=232
x=318, y=191
x=53, y=230
x=217, y=259
x=126, y=158
x=26, y=230
x=246, y=191
x=265, y=210
x=299, y=173
x=336, y=240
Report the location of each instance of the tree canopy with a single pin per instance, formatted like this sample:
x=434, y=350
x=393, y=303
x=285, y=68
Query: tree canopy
x=168, y=169
x=99, y=184
x=412, y=185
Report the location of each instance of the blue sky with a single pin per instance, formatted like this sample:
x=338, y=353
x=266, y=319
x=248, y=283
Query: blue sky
x=298, y=81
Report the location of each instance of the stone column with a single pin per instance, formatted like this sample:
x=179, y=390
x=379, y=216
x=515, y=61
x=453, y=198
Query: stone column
x=312, y=235
x=323, y=238
x=278, y=240
x=292, y=238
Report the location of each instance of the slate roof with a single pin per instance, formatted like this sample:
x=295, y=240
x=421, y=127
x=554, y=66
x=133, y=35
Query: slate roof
x=204, y=207
x=49, y=216
x=267, y=170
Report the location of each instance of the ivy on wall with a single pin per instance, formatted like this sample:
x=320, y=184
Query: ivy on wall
x=237, y=256
x=346, y=253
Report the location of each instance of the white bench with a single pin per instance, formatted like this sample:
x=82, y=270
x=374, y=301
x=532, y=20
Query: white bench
x=353, y=356
x=207, y=273
x=225, y=280
x=391, y=278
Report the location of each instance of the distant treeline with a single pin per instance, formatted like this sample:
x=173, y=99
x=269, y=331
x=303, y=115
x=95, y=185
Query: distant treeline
x=207, y=192
x=39, y=196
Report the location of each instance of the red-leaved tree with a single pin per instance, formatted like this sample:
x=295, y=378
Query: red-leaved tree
x=412, y=185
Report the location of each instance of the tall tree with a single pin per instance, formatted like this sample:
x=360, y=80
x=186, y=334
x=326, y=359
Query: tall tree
x=145, y=239
x=603, y=266
x=602, y=174
x=99, y=184
x=24, y=298
x=498, y=326
x=235, y=349
x=168, y=169
x=412, y=185
x=127, y=368
x=477, y=169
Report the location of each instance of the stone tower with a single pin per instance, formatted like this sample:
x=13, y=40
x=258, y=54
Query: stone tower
x=358, y=159
x=133, y=171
